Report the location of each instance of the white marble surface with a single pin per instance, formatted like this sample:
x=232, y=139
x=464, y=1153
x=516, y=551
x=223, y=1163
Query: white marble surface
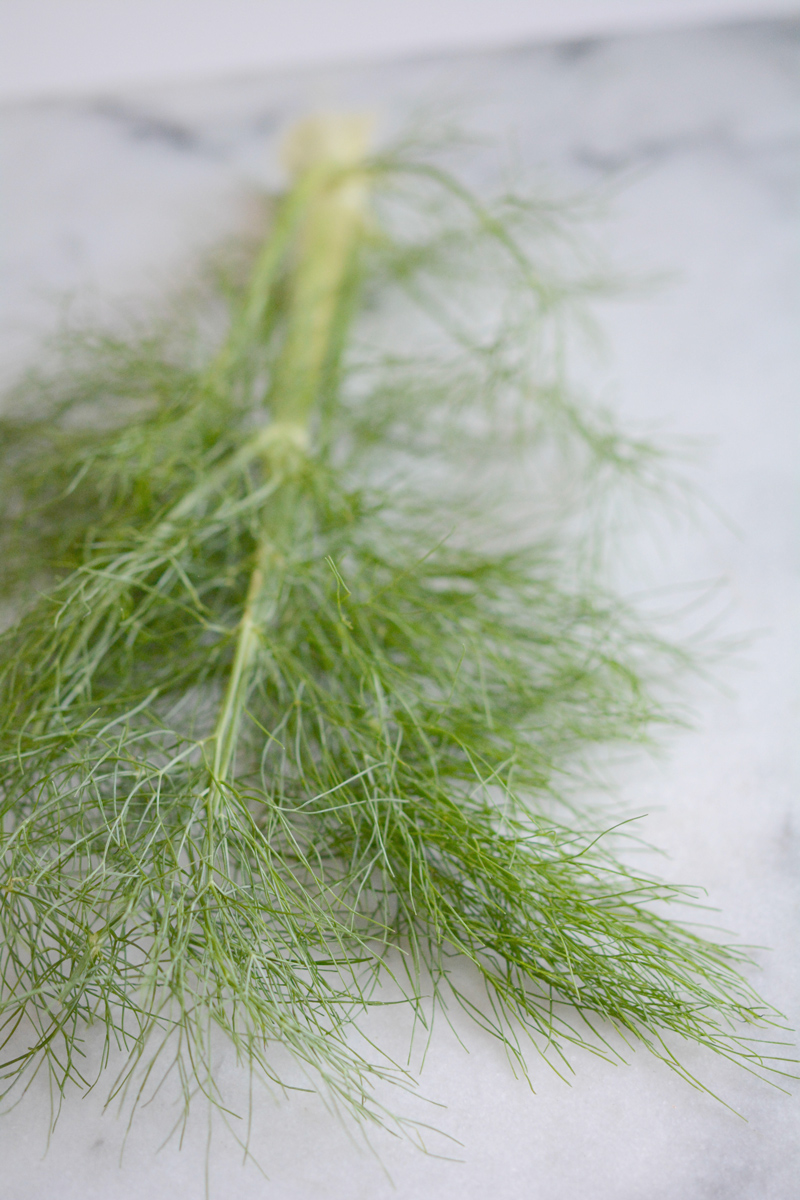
x=114, y=196
x=53, y=47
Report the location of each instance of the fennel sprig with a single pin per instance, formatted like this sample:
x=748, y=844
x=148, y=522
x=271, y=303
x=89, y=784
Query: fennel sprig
x=293, y=696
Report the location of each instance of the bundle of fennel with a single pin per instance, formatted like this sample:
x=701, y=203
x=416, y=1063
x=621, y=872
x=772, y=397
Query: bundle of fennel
x=288, y=705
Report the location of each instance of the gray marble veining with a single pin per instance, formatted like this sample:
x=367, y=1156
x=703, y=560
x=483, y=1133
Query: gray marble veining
x=696, y=137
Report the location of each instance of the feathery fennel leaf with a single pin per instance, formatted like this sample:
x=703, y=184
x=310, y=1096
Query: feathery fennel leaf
x=288, y=688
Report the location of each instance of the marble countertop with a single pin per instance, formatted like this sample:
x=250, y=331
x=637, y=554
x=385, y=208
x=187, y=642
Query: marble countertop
x=692, y=137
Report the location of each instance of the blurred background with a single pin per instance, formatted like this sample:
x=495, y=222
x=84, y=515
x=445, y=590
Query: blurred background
x=50, y=47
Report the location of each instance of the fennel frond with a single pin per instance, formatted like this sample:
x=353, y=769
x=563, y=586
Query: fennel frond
x=287, y=689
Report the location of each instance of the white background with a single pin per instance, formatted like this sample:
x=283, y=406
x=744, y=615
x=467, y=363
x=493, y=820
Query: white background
x=61, y=46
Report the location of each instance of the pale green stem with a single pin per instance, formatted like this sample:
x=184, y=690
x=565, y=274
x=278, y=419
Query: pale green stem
x=327, y=226
x=253, y=619
x=265, y=276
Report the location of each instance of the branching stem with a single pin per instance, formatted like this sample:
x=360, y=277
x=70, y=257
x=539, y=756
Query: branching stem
x=253, y=620
x=325, y=213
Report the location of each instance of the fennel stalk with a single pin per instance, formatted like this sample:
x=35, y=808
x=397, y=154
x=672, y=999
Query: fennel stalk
x=272, y=717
